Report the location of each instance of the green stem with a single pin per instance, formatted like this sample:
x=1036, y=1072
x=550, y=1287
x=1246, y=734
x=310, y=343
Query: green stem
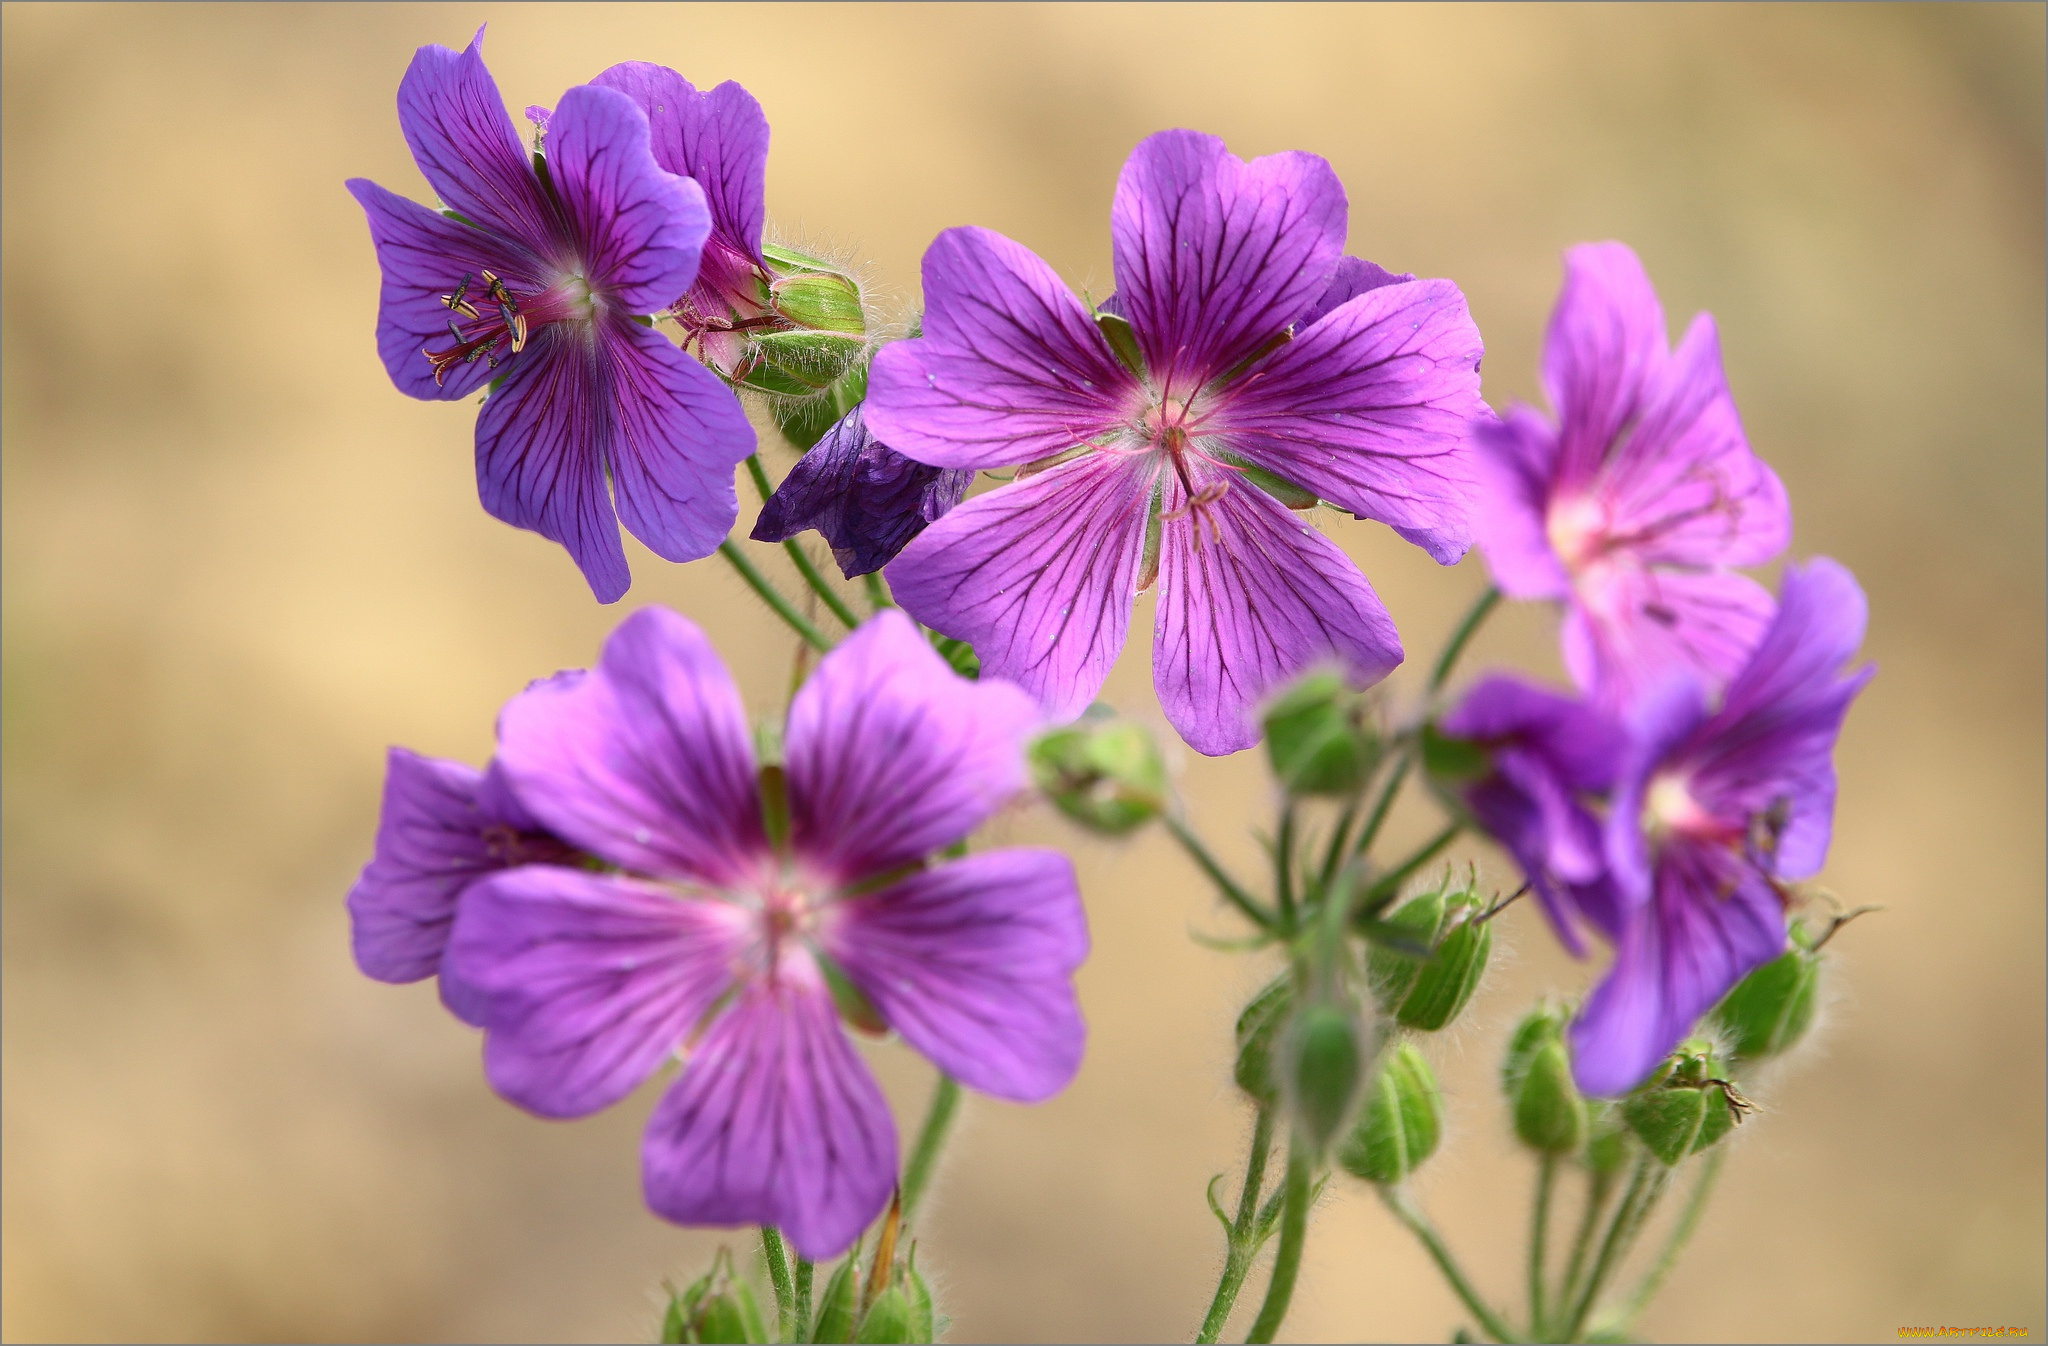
x=878, y=591
x=1419, y=1225
x=1381, y=807
x=931, y=1138
x=1621, y=1231
x=804, y=1272
x=777, y=1258
x=1390, y=882
x=1242, y=1242
x=1681, y=1234
x=797, y=555
x=1448, y=660
x=1283, y=864
x=1287, y=1262
x=1599, y=1187
x=1539, y=1236
x=772, y=596
x=1226, y=885
x=1339, y=836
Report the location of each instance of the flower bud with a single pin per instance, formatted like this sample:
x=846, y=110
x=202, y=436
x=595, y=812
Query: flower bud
x=1549, y=1114
x=1106, y=775
x=1771, y=1008
x=1401, y=1122
x=888, y=1319
x=822, y=301
x=1324, y=1063
x=1318, y=738
x=1256, y=1029
x=838, y=1305
x=716, y=1308
x=1428, y=993
x=1685, y=1107
x=1608, y=1138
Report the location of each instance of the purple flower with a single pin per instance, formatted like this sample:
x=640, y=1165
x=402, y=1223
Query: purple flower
x=1543, y=755
x=866, y=498
x=531, y=281
x=443, y=826
x=741, y=914
x=1634, y=506
x=1712, y=813
x=1248, y=389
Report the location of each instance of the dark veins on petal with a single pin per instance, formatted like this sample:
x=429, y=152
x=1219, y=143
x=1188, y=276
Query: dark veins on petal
x=867, y=500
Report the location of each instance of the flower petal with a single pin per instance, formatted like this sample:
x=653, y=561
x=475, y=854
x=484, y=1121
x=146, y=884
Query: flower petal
x=1659, y=721
x=892, y=755
x=775, y=1120
x=1605, y=344
x=1713, y=921
x=423, y=255
x=1628, y=628
x=584, y=983
x=646, y=760
x=1038, y=576
x=1514, y=460
x=1370, y=409
x=540, y=455
x=679, y=433
x=639, y=228
x=430, y=846
x=1582, y=746
x=1352, y=277
x=467, y=147
x=1249, y=597
x=1010, y=367
x=719, y=138
x=1215, y=256
x=865, y=498
x=973, y=963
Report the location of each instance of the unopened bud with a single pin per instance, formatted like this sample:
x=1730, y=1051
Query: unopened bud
x=1771, y=1008
x=1324, y=1063
x=1107, y=775
x=1686, y=1107
x=888, y=1319
x=1550, y=1117
x=838, y=1305
x=821, y=301
x=1318, y=737
x=798, y=363
x=1427, y=993
x=1401, y=1122
x=1256, y=1029
x=716, y=1308
x=1608, y=1138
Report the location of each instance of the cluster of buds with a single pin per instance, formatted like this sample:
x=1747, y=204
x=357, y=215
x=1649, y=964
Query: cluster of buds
x=717, y=1307
x=1103, y=773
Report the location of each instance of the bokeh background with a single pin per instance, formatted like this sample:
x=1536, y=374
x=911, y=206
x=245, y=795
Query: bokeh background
x=237, y=564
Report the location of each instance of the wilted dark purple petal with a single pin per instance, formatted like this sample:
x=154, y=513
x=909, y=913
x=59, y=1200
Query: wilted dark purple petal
x=865, y=498
x=973, y=963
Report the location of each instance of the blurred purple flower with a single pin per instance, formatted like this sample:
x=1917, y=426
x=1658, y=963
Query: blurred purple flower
x=867, y=499
x=1634, y=506
x=1249, y=387
x=1544, y=754
x=728, y=943
x=531, y=281
x=1711, y=814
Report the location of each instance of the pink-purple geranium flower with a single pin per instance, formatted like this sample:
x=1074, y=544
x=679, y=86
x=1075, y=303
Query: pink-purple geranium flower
x=1634, y=506
x=532, y=281
x=747, y=907
x=1713, y=812
x=1159, y=456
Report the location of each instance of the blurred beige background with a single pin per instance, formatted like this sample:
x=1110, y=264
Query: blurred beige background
x=237, y=564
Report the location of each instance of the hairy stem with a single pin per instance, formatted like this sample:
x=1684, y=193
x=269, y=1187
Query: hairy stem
x=804, y=1272
x=1681, y=1234
x=1539, y=1236
x=1229, y=887
x=1283, y=864
x=1599, y=1187
x=1381, y=807
x=777, y=1258
x=799, y=558
x=1287, y=1262
x=1242, y=1242
x=1643, y=1187
x=878, y=591
x=772, y=596
x=931, y=1138
x=1448, y=660
x=1388, y=883
x=1418, y=1224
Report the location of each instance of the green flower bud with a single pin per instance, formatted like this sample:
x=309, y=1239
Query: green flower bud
x=1550, y=1117
x=1256, y=1029
x=1318, y=739
x=888, y=1319
x=716, y=1308
x=1771, y=1008
x=1608, y=1139
x=838, y=1305
x=1686, y=1107
x=1452, y=761
x=821, y=301
x=923, y=1318
x=801, y=364
x=1428, y=993
x=1401, y=1123
x=1392, y=971
x=1107, y=775
x=1324, y=1064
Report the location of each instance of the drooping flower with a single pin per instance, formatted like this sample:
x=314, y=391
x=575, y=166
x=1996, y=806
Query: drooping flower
x=1540, y=756
x=1713, y=812
x=532, y=280
x=1633, y=508
x=747, y=902
x=443, y=826
x=865, y=498
x=1155, y=435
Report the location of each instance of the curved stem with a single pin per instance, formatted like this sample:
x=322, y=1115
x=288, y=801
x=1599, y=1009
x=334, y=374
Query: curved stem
x=1621, y=1231
x=879, y=596
x=1419, y=1225
x=797, y=555
x=1381, y=807
x=1386, y=884
x=931, y=1138
x=772, y=596
x=1681, y=1234
x=1287, y=1262
x=1283, y=864
x=1242, y=1243
x=1226, y=885
x=1448, y=660
x=1599, y=1187
x=777, y=1258
x=1539, y=1236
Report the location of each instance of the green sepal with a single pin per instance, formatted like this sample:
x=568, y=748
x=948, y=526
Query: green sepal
x=731, y=1316
x=1401, y=1123
x=1257, y=1026
x=1452, y=761
x=1392, y=974
x=1325, y=1062
x=787, y=260
x=775, y=806
x=1281, y=489
x=1683, y=1109
x=820, y=301
x=798, y=364
x=852, y=1003
x=1771, y=1008
x=888, y=1319
x=1109, y=777
x=1317, y=737
x=1550, y=1117
x=1607, y=1140
x=837, y=1305
x=1123, y=340
x=804, y=420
